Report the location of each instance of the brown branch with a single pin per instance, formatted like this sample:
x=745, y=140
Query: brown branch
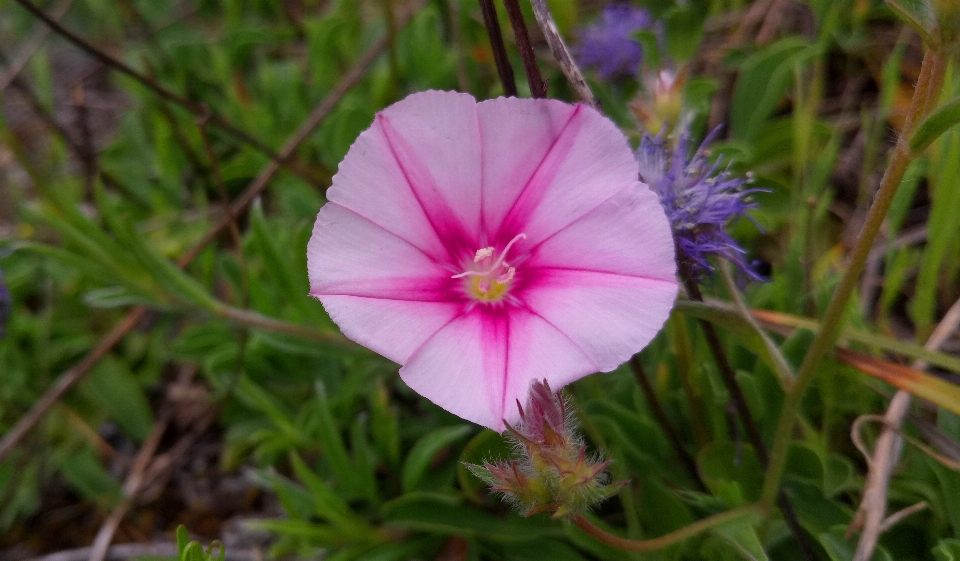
x=225, y=198
x=538, y=87
x=661, y=417
x=70, y=378
x=666, y=540
x=22, y=57
x=740, y=404
x=504, y=70
x=131, y=487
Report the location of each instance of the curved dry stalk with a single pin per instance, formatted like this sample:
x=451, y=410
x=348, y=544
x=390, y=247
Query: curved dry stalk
x=561, y=53
x=667, y=540
x=886, y=454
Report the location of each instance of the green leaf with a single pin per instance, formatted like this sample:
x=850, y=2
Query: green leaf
x=764, y=79
x=332, y=444
x=728, y=318
x=114, y=388
x=87, y=476
x=183, y=539
x=937, y=123
x=742, y=535
x=731, y=471
x=427, y=512
x=947, y=550
x=425, y=450
x=327, y=504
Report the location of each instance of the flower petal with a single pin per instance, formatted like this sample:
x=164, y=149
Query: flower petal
x=416, y=172
x=585, y=160
x=481, y=363
x=609, y=316
x=348, y=254
x=626, y=234
x=391, y=328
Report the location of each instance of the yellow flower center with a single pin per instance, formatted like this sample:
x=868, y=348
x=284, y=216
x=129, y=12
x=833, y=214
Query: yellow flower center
x=490, y=277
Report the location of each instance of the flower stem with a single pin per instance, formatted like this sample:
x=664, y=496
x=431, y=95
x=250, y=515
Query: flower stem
x=661, y=416
x=667, y=540
x=928, y=85
x=740, y=404
x=504, y=70
x=538, y=87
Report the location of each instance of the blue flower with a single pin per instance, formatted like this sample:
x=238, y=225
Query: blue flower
x=609, y=44
x=5, y=304
x=700, y=198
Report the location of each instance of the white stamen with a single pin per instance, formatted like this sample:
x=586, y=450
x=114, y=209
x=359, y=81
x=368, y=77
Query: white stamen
x=503, y=255
x=483, y=254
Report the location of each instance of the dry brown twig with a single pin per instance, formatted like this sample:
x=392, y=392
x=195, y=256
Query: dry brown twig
x=561, y=53
x=872, y=511
x=72, y=376
x=30, y=46
x=131, y=487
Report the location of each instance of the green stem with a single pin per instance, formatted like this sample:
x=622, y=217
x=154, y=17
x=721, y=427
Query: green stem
x=928, y=84
x=667, y=540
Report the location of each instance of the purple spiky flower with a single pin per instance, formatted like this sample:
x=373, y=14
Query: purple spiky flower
x=700, y=199
x=609, y=44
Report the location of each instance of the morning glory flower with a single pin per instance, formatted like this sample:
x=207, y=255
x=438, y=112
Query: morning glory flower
x=609, y=44
x=483, y=246
x=700, y=198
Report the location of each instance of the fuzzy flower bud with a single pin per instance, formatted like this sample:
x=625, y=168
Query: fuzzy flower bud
x=551, y=471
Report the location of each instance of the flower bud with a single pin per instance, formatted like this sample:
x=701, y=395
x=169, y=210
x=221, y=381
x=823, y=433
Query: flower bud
x=552, y=472
x=661, y=105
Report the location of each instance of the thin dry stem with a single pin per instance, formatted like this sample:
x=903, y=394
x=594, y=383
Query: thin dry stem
x=661, y=542
x=886, y=454
x=131, y=487
x=561, y=53
x=30, y=46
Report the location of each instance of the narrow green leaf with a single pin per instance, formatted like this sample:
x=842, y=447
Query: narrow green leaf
x=918, y=383
x=427, y=512
x=328, y=504
x=935, y=125
x=331, y=443
x=183, y=539
x=425, y=449
x=727, y=317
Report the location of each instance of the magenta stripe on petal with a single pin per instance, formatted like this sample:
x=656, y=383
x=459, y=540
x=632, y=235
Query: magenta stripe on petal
x=448, y=227
x=543, y=176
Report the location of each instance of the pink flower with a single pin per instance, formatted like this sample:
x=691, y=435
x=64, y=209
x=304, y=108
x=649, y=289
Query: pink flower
x=487, y=245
